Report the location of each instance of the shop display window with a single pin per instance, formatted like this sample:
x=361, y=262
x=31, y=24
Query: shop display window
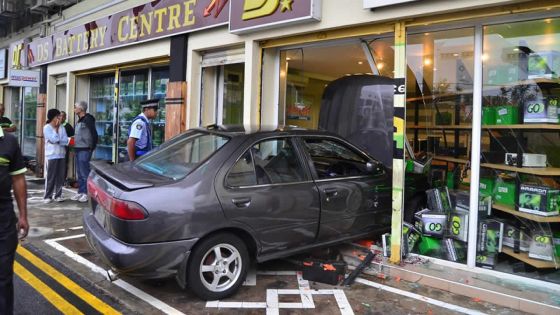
x=14, y=112
x=29, y=126
x=440, y=67
x=101, y=102
x=520, y=146
x=222, y=94
x=134, y=86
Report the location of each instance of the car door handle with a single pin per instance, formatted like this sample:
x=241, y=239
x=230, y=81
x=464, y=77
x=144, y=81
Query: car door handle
x=331, y=191
x=241, y=202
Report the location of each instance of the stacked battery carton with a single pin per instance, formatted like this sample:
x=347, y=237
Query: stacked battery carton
x=489, y=243
x=444, y=228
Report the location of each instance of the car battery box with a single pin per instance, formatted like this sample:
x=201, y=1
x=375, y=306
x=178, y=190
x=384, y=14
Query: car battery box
x=539, y=200
x=324, y=271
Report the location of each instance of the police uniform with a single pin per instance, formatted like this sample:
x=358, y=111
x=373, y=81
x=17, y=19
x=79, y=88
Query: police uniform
x=11, y=163
x=141, y=131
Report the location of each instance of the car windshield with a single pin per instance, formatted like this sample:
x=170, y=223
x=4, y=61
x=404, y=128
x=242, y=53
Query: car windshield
x=181, y=157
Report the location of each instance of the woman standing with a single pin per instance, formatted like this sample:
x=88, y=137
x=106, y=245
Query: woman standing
x=56, y=141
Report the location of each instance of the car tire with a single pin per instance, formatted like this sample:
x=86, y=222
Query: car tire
x=417, y=203
x=213, y=278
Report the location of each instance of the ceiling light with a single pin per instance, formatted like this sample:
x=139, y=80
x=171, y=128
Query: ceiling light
x=455, y=55
x=288, y=58
x=427, y=61
x=380, y=65
x=426, y=34
x=360, y=62
x=348, y=74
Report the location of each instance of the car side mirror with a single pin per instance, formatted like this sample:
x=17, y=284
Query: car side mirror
x=374, y=168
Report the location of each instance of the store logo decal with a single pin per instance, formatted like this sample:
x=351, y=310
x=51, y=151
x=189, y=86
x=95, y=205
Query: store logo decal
x=218, y=5
x=253, y=9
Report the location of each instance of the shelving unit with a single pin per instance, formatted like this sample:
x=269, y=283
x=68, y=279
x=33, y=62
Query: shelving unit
x=528, y=216
x=541, y=171
x=526, y=259
x=489, y=127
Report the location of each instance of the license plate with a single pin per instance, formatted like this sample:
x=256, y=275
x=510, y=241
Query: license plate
x=99, y=215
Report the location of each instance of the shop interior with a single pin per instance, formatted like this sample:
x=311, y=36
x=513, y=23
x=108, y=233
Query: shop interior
x=518, y=228
x=135, y=86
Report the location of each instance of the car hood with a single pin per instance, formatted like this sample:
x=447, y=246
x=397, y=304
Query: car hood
x=126, y=176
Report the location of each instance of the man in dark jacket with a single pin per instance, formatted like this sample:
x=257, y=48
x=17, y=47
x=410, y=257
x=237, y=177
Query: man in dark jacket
x=12, y=174
x=85, y=140
x=70, y=133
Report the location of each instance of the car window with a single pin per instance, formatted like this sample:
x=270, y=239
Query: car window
x=334, y=159
x=276, y=162
x=178, y=159
x=242, y=173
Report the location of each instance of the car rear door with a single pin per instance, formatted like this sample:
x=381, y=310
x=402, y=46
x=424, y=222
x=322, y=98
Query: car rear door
x=268, y=189
x=355, y=189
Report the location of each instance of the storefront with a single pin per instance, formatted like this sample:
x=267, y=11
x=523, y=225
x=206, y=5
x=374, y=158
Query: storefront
x=20, y=98
x=451, y=81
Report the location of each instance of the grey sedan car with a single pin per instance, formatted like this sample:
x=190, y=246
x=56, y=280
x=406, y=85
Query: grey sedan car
x=206, y=203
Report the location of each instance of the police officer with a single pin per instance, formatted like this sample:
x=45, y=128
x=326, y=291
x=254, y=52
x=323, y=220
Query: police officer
x=140, y=135
x=12, y=173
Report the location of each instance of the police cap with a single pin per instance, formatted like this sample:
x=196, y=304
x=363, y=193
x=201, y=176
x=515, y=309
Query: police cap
x=153, y=103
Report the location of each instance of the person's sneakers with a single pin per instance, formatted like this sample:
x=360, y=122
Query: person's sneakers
x=83, y=198
x=59, y=199
x=76, y=197
x=47, y=200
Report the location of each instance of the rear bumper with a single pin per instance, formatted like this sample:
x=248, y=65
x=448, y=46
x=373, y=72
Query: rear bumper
x=151, y=260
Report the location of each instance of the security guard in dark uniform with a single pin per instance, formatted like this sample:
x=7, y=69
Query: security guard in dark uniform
x=12, y=173
x=140, y=134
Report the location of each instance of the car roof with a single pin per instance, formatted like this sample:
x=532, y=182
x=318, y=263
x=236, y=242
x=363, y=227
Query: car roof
x=241, y=130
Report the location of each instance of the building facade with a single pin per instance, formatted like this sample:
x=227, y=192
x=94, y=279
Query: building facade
x=474, y=85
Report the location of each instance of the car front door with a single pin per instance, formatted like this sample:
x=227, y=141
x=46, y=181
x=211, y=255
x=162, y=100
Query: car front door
x=355, y=189
x=269, y=190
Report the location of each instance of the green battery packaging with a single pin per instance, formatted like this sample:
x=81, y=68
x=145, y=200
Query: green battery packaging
x=486, y=260
x=539, y=200
x=541, y=246
x=490, y=233
x=455, y=250
x=513, y=233
x=458, y=225
x=439, y=200
x=434, y=224
x=410, y=236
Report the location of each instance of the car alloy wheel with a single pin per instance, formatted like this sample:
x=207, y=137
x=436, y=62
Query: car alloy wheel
x=220, y=267
x=217, y=266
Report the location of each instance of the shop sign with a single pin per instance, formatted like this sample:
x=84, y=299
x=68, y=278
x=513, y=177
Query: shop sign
x=18, y=55
x=252, y=15
x=372, y=4
x=150, y=21
x=27, y=78
x=3, y=61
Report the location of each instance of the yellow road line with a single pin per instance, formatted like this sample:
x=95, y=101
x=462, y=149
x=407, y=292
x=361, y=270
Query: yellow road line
x=51, y=296
x=89, y=298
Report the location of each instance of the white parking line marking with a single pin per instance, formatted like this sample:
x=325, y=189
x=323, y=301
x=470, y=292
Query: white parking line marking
x=166, y=308
x=419, y=297
x=272, y=304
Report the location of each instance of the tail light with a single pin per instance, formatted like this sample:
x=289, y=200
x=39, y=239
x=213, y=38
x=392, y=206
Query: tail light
x=122, y=209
